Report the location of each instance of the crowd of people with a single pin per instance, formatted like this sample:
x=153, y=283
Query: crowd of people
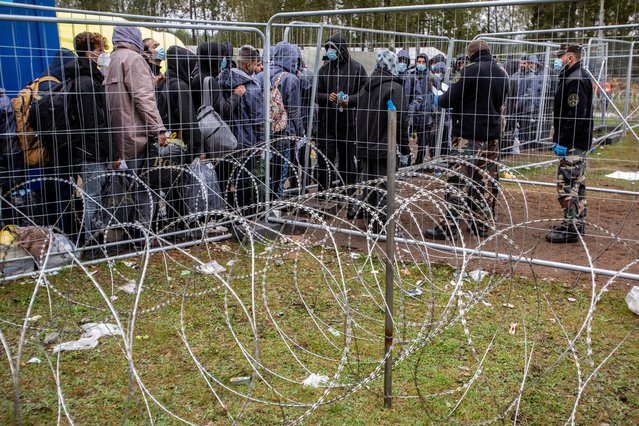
x=121, y=112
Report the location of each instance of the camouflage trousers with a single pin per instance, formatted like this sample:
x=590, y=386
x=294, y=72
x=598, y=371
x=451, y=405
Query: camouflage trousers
x=472, y=180
x=571, y=185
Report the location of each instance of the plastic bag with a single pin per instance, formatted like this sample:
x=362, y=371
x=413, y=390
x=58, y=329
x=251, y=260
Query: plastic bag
x=632, y=299
x=202, y=190
x=89, y=339
x=38, y=241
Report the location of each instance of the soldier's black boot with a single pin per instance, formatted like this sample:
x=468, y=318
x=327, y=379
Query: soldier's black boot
x=566, y=233
x=441, y=232
x=480, y=229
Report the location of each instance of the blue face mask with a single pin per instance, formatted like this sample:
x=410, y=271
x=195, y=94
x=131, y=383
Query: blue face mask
x=558, y=65
x=223, y=64
x=420, y=67
x=402, y=67
x=160, y=54
x=331, y=54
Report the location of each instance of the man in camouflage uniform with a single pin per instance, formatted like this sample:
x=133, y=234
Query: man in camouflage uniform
x=476, y=96
x=573, y=126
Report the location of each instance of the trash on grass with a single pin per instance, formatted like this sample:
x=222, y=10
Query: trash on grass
x=241, y=380
x=185, y=272
x=131, y=265
x=279, y=262
x=315, y=380
x=35, y=318
x=632, y=299
x=129, y=287
x=231, y=262
x=34, y=360
x=89, y=339
x=334, y=332
x=51, y=337
x=414, y=292
x=631, y=176
x=486, y=303
x=210, y=268
x=513, y=328
x=572, y=299
x=508, y=305
x=478, y=275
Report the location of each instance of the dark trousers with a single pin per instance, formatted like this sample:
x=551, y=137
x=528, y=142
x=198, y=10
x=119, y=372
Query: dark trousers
x=424, y=136
x=375, y=193
x=336, y=148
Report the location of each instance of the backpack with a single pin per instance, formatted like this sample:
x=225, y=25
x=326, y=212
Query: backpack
x=278, y=113
x=217, y=137
x=34, y=153
x=51, y=116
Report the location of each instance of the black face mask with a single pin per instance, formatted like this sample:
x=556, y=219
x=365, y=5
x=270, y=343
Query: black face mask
x=155, y=69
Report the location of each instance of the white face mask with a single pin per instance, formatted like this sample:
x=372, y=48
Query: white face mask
x=103, y=60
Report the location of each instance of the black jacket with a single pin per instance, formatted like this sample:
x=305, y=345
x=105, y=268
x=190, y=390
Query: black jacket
x=210, y=55
x=476, y=96
x=175, y=103
x=343, y=74
x=372, y=116
x=90, y=134
x=573, y=109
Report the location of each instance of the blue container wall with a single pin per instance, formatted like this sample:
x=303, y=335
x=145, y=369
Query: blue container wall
x=25, y=47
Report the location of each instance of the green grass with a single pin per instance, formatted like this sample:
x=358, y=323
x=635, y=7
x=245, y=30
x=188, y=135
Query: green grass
x=622, y=156
x=96, y=382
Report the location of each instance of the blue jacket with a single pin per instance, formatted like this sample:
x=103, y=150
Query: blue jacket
x=286, y=58
x=246, y=121
x=421, y=100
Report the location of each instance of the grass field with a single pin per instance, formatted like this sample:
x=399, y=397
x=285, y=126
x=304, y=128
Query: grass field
x=317, y=312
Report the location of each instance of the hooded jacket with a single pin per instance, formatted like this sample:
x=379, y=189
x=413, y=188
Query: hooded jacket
x=372, y=116
x=421, y=98
x=130, y=95
x=287, y=59
x=476, y=96
x=209, y=58
x=344, y=74
x=572, y=118
x=407, y=76
x=246, y=122
x=91, y=138
x=175, y=101
x=56, y=69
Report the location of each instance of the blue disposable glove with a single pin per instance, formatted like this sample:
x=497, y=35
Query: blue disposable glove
x=436, y=101
x=560, y=151
x=404, y=160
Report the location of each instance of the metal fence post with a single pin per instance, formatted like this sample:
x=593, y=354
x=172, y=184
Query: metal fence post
x=543, y=100
x=626, y=101
x=311, y=114
x=442, y=113
x=390, y=251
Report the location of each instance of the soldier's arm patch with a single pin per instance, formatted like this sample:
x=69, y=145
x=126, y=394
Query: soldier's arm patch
x=573, y=100
x=456, y=77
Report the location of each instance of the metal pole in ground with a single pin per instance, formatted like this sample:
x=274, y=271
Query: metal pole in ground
x=390, y=253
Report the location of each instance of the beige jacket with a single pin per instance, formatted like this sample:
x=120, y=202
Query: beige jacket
x=130, y=94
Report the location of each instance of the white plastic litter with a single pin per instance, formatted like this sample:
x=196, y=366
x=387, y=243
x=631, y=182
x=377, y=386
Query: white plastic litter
x=129, y=287
x=354, y=255
x=631, y=176
x=315, y=380
x=414, y=292
x=34, y=360
x=89, y=339
x=632, y=299
x=35, y=318
x=477, y=275
x=334, y=332
x=210, y=268
x=231, y=262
